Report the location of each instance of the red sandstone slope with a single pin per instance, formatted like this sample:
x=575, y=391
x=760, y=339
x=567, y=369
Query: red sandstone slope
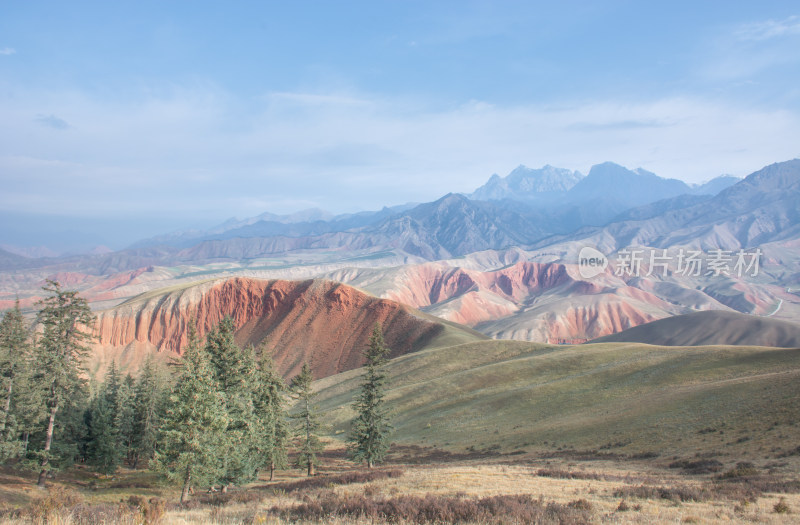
x=528, y=301
x=325, y=323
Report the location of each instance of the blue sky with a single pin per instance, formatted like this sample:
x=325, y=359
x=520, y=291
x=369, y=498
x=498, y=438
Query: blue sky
x=120, y=120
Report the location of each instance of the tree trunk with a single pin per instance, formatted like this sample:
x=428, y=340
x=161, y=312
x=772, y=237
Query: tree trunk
x=47, y=442
x=369, y=463
x=224, y=488
x=186, y=480
x=308, y=439
x=271, y=470
x=135, y=461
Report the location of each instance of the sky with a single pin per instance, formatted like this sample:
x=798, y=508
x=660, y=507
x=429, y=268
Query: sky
x=121, y=120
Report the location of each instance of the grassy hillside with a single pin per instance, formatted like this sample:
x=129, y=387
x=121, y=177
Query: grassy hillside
x=625, y=398
x=712, y=327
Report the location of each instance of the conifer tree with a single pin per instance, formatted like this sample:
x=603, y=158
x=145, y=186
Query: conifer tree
x=272, y=434
x=103, y=449
x=235, y=371
x=194, y=424
x=21, y=396
x=369, y=437
x=65, y=318
x=149, y=404
x=307, y=425
x=124, y=415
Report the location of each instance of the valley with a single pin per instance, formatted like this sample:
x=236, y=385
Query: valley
x=630, y=395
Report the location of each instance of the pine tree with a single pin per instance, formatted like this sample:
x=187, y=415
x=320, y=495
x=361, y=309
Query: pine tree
x=149, y=404
x=369, y=438
x=272, y=434
x=21, y=397
x=307, y=425
x=124, y=411
x=194, y=424
x=235, y=371
x=103, y=450
x=64, y=317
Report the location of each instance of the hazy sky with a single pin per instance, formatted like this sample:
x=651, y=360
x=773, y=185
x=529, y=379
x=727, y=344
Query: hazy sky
x=124, y=119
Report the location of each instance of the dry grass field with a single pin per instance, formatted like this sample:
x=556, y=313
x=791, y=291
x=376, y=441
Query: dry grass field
x=571, y=488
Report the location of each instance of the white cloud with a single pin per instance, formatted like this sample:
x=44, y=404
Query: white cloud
x=7, y=51
x=769, y=29
x=52, y=121
x=201, y=151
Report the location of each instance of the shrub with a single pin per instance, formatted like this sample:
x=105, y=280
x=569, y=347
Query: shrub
x=580, y=504
x=697, y=466
x=623, y=507
x=437, y=509
x=151, y=510
x=321, y=482
x=59, y=500
x=565, y=474
x=781, y=507
x=676, y=494
x=793, y=452
x=742, y=469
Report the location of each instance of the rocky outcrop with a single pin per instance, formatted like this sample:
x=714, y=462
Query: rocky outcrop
x=324, y=323
x=528, y=301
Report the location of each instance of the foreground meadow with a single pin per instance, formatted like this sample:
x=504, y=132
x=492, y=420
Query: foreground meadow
x=422, y=485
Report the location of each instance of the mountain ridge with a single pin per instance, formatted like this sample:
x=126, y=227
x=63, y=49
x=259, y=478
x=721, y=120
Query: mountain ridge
x=324, y=323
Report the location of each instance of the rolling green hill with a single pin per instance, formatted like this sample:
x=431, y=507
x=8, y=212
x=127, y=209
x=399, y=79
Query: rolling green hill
x=618, y=397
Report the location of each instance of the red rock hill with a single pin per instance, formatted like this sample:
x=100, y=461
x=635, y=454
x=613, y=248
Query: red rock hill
x=325, y=323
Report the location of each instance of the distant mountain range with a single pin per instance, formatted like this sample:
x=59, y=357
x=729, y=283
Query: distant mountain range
x=506, y=267
x=525, y=183
x=611, y=201
x=606, y=192
x=762, y=208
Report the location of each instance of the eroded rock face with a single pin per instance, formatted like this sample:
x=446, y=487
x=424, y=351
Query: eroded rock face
x=324, y=323
x=529, y=301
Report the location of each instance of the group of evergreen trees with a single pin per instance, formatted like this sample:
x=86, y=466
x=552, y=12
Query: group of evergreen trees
x=226, y=416
x=216, y=419
x=48, y=418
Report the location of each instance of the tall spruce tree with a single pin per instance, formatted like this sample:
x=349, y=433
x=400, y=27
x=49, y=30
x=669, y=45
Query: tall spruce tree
x=149, y=404
x=110, y=422
x=65, y=318
x=235, y=372
x=21, y=399
x=194, y=424
x=369, y=437
x=124, y=412
x=271, y=431
x=103, y=449
x=306, y=422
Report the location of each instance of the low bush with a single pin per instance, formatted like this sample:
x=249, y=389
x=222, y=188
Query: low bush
x=697, y=466
x=676, y=494
x=438, y=509
x=781, y=507
x=319, y=482
x=743, y=469
x=151, y=510
x=565, y=474
x=67, y=506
